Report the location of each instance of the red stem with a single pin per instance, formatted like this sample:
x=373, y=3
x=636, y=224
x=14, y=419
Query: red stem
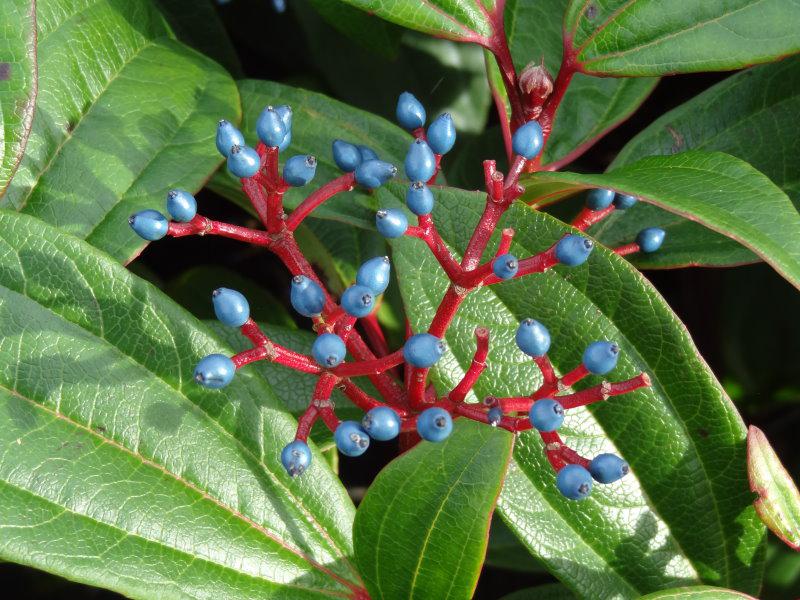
x=306, y=422
x=588, y=217
x=475, y=369
x=627, y=249
x=343, y=183
x=369, y=367
x=427, y=232
x=201, y=225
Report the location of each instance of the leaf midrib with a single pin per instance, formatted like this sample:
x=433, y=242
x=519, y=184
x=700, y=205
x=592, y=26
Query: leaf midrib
x=148, y=462
x=297, y=501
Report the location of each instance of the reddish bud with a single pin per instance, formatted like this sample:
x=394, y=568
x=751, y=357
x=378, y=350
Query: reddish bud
x=536, y=85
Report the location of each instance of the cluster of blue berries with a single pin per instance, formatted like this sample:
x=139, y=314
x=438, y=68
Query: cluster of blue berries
x=421, y=351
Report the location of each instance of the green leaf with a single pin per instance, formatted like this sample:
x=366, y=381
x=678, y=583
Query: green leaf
x=553, y=591
x=460, y=20
x=649, y=37
x=646, y=532
x=714, y=189
x=421, y=530
x=197, y=24
x=118, y=470
x=317, y=121
x=17, y=83
x=778, y=502
x=367, y=31
x=750, y=115
x=697, y=592
x=505, y=551
x=123, y=115
x=592, y=106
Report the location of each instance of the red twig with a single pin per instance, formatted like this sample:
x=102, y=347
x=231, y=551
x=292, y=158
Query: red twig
x=343, y=183
x=588, y=217
x=475, y=368
x=201, y=225
x=627, y=249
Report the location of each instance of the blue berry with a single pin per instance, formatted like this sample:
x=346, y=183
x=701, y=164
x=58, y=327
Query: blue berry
x=214, y=371
x=391, y=223
x=505, y=266
x=358, y=301
x=279, y=6
x=533, y=338
x=423, y=350
x=181, y=205
x=419, y=198
x=573, y=250
x=228, y=137
x=574, y=482
x=442, y=134
x=601, y=357
x=351, y=439
x=328, y=350
x=599, y=198
x=494, y=416
x=296, y=457
x=299, y=170
x=381, y=423
x=374, y=173
x=231, y=307
x=285, y=113
x=346, y=156
x=420, y=162
x=286, y=141
x=149, y=224
x=243, y=161
x=270, y=127
x=410, y=112
x=367, y=153
x=528, y=140
x=608, y=468
x=375, y=274
x=546, y=414
x=650, y=239
x=434, y=424
x=624, y=201
x=306, y=296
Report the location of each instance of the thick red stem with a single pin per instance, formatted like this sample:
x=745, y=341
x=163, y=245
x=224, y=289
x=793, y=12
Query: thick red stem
x=369, y=367
x=201, y=225
x=588, y=217
x=343, y=183
x=475, y=368
x=427, y=232
x=627, y=249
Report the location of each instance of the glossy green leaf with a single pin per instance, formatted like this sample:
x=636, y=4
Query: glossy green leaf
x=717, y=190
x=592, y=106
x=750, y=115
x=18, y=85
x=505, y=551
x=697, y=592
x=651, y=37
x=118, y=470
x=421, y=530
x=553, y=591
x=778, y=502
x=317, y=121
x=646, y=532
x=197, y=24
x=367, y=31
x=460, y=20
x=123, y=115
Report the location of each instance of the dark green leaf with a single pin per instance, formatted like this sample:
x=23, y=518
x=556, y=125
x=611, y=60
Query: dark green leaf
x=197, y=24
x=592, y=106
x=120, y=471
x=421, y=530
x=17, y=82
x=370, y=33
x=553, y=591
x=750, y=115
x=505, y=551
x=123, y=115
x=778, y=502
x=681, y=434
x=650, y=37
x=697, y=592
x=460, y=20
x=317, y=121
x=715, y=189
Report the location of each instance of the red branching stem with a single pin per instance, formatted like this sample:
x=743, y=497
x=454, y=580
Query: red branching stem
x=499, y=47
x=517, y=166
x=416, y=384
x=549, y=376
x=275, y=211
x=483, y=231
x=506, y=237
x=552, y=447
x=623, y=387
x=343, y=183
x=476, y=367
x=363, y=400
x=369, y=367
x=573, y=376
x=453, y=298
x=329, y=417
x=201, y=225
x=258, y=199
x=306, y=422
x=573, y=458
x=375, y=336
x=266, y=349
x=386, y=386
x=588, y=217
x=343, y=324
x=590, y=395
x=427, y=232
x=631, y=248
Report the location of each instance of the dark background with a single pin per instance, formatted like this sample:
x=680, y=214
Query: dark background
x=744, y=320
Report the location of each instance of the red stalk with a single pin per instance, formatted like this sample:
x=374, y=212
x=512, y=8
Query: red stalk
x=343, y=183
x=476, y=367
